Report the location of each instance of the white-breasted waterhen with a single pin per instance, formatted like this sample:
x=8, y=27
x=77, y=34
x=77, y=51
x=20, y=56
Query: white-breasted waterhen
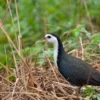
x=73, y=69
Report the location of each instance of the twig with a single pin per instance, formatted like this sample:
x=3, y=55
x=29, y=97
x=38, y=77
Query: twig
x=14, y=88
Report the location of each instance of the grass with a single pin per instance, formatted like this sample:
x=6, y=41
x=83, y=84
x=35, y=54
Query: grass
x=31, y=76
x=28, y=81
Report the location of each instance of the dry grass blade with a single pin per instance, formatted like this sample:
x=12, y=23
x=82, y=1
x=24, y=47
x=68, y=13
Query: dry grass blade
x=82, y=49
x=52, y=68
x=14, y=88
x=52, y=89
x=5, y=67
x=9, y=39
x=13, y=45
x=10, y=11
x=17, y=16
x=88, y=15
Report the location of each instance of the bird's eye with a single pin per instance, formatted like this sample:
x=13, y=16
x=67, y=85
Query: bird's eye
x=48, y=37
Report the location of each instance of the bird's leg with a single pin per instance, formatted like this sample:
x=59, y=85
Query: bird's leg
x=78, y=92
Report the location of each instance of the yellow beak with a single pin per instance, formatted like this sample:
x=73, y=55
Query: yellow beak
x=40, y=41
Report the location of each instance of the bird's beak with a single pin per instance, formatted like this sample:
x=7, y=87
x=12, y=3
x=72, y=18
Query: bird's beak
x=40, y=41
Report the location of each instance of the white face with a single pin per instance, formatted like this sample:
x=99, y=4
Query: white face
x=50, y=38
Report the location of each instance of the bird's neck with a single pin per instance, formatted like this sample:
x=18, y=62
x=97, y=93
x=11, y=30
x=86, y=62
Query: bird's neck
x=58, y=51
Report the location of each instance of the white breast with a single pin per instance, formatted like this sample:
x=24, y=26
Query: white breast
x=55, y=53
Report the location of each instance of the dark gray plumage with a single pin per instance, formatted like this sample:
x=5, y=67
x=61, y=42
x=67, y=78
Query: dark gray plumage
x=78, y=72
x=75, y=70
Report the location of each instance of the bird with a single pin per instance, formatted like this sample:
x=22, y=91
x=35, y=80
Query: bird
x=76, y=71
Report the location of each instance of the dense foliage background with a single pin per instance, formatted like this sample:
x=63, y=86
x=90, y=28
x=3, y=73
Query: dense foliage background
x=69, y=19
x=38, y=17
x=74, y=21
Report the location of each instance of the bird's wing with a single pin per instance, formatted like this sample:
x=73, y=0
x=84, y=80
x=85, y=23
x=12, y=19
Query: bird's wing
x=78, y=71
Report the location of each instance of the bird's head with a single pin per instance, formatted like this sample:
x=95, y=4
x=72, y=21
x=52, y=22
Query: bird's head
x=51, y=38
